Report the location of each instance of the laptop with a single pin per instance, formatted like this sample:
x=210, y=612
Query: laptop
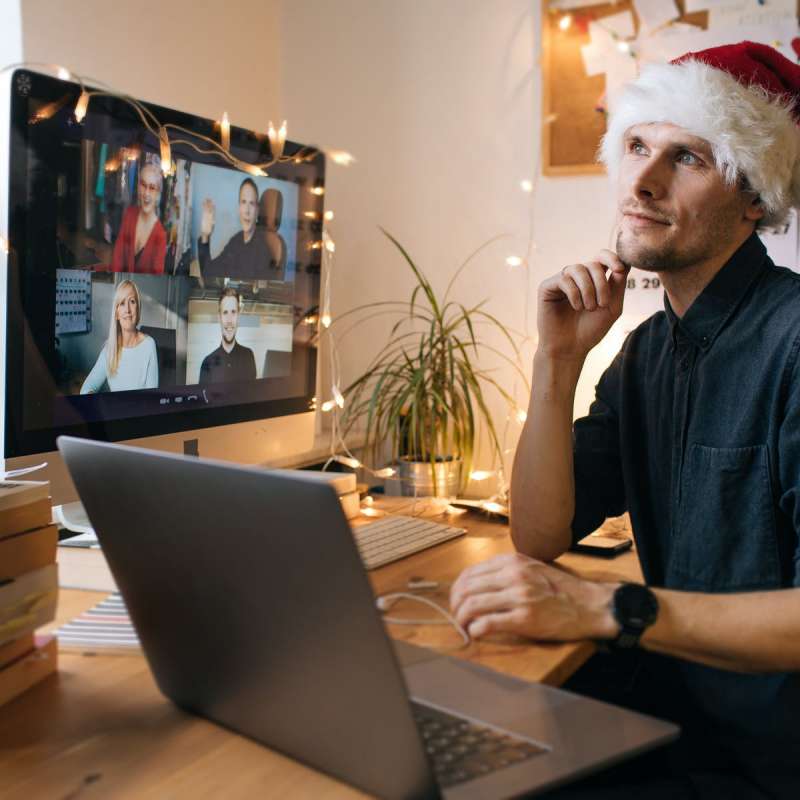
x=254, y=611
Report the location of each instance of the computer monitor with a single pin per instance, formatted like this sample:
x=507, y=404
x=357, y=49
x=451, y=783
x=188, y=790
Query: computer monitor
x=177, y=311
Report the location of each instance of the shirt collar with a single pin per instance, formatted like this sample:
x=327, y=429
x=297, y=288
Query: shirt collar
x=712, y=308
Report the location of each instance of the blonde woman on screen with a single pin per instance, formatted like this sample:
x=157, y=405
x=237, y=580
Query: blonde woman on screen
x=128, y=359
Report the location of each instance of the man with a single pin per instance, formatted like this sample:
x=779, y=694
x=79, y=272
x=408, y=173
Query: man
x=695, y=430
x=231, y=361
x=246, y=254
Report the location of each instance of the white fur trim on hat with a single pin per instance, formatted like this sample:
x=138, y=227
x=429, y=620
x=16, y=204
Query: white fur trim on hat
x=751, y=132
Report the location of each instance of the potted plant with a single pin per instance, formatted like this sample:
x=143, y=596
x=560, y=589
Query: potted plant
x=421, y=399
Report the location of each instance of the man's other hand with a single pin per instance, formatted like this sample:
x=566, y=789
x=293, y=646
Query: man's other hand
x=207, y=219
x=516, y=594
x=577, y=306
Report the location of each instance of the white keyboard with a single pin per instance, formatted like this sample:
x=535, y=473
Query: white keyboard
x=394, y=537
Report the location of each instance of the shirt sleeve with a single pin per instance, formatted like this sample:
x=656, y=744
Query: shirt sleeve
x=599, y=485
x=223, y=265
x=151, y=371
x=97, y=377
x=789, y=463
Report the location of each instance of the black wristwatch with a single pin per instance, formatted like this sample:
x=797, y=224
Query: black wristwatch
x=635, y=608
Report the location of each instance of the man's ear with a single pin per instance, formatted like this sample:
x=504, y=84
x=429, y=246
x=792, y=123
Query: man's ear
x=754, y=210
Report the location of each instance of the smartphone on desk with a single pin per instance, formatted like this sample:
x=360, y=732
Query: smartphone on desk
x=604, y=546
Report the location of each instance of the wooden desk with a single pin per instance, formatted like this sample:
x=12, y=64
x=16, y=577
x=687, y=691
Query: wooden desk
x=101, y=729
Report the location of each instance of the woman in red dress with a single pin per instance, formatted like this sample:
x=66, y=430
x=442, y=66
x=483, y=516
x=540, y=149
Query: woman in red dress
x=142, y=241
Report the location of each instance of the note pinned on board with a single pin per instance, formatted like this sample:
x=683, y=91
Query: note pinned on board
x=655, y=13
x=752, y=13
x=690, y=6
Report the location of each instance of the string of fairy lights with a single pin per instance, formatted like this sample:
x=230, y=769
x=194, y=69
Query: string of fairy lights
x=170, y=135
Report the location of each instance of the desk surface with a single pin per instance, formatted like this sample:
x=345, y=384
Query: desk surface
x=100, y=728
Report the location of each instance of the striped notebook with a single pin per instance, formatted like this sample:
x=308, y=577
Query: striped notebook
x=104, y=627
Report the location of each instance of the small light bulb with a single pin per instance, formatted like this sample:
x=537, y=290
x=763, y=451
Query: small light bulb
x=513, y=261
x=4, y=246
x=64, y=74
x=353, y=463
x=330, y=246
x=565, y=22
x=521, y=415
x=277, y=139
x=315, y=246
x=492, y=507
x=252, y=169
x=368, y=501
x=326, y=320
x=385, y=472
x=623, y=47
x=480, y=475
x=368, y=511
x=327, y=406
x=526, y=185
x=337, y=396
x=317, y=190
x=455, y=512
x=225, y=131
x=81, y=106
x=328, y=215
x=310, y=214
x=341, y=157
x=166, y=151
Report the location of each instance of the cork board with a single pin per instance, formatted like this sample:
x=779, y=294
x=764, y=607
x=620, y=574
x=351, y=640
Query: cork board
x=571, y=127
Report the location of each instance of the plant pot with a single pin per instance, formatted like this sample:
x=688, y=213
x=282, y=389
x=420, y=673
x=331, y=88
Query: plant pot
x=417, y=480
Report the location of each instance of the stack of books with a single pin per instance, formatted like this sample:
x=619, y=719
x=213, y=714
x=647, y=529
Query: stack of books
x=28, y=586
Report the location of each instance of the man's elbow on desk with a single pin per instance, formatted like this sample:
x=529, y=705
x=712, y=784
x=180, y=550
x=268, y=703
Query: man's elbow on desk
x=544, y=545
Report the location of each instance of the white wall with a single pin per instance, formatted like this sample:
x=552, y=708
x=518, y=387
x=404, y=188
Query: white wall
x=440, y=103
x=197, y=57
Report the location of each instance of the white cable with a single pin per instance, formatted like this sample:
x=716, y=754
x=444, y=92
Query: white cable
x=386, y=601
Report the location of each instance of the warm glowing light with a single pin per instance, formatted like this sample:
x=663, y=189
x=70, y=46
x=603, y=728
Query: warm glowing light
x=252, y=169
x=326, y=320
x=565, y=22
x=370, y=512
x=4, y=247
x=328, y=216
x=166, y=151
x=64, y=74
x=353, y=463
x=311, y=319
x=310, y=214
x=277, y=139
x=81, y=106
x=521, y=415
x=526, y=185
x=493, y=508
x=327, y=406
x=386, y=472
x=455, y=512
x=341, y=157
x=337, y=396
x=513, y=261
x=317, y=190
x=330, y=246
x=225, y=131
x=480, y=474
x=623, y=47
x=315, y=246
x=368, y=500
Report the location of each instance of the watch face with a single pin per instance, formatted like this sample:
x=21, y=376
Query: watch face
x=635, y=606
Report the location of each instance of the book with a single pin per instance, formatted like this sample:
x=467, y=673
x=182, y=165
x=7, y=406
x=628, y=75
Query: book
x=11, y=651
x=26, y=552
x=20, y=493
x=28, y=602
x=30, y=668
x=17, y=519
x=83, y=567
x=105, y=627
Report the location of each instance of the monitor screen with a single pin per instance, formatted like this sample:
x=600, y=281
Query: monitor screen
x=141, y=302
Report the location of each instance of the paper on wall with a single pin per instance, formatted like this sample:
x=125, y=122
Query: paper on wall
x=655, y=13
x=602, y=53
x=782, y=243
x=567, y=5
x=752, y=13
x=705, y=5
x=620, y=24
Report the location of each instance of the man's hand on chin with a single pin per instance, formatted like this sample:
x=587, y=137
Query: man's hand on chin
x=517, y=594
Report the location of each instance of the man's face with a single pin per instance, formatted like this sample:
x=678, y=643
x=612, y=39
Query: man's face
x=149, y=189
x=248, y=208
x=229, y=319
x=675, y=209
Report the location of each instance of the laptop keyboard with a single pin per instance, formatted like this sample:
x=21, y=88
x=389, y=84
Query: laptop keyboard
x=460, y=750
x=394, y=537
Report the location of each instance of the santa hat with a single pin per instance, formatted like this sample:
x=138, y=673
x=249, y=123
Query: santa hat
x=744, y=99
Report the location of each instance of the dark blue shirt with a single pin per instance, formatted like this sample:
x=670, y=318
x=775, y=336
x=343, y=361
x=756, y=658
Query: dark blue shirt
x=695, y=430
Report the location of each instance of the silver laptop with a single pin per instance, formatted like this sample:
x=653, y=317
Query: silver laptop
x=254, y=610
